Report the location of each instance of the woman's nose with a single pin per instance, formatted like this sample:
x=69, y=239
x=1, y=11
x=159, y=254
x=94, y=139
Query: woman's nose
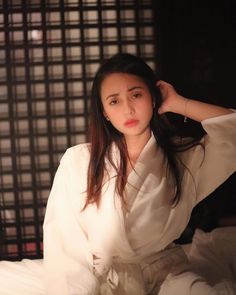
x=128, y=108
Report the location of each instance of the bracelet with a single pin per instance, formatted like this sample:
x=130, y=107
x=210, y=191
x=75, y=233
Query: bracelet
x=185, y=110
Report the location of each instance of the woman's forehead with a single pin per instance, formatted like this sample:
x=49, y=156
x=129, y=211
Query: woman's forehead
x=121, y=80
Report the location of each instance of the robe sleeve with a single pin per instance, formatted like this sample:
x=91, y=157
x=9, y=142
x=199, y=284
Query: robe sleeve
x=66, y=255
x=211, y=164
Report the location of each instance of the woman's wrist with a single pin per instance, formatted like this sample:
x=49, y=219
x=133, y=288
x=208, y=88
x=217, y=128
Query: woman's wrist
x=186, y=109
x=199, y=111
x=180, y=106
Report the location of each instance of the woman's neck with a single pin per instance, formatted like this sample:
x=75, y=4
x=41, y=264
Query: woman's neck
x=135, y=145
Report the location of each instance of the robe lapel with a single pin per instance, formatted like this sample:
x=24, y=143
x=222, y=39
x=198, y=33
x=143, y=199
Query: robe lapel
x=144, y=178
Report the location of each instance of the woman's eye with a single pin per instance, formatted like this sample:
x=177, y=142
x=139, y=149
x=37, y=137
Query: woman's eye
x=113, y=102
x=137, y=95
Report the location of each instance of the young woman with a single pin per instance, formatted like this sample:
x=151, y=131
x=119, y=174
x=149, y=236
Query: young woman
x=118, y=203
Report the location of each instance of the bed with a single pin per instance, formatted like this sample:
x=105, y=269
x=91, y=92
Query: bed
x=212, y=254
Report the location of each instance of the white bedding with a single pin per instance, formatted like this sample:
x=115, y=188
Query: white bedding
x=213, y=256
x=21, y=277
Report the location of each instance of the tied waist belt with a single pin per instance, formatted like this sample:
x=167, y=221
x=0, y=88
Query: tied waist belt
x=105, y=267
x=157, y=265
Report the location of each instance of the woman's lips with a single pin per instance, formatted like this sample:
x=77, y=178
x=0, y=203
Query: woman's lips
x=131, y=123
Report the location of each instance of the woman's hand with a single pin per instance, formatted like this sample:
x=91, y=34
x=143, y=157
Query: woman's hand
x=196, y=110
x=170, y=97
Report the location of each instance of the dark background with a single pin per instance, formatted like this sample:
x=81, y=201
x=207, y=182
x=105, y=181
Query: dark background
x=196, y=52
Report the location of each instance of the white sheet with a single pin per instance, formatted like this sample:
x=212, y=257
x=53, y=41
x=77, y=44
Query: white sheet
x=212, y=254
x=22, y=277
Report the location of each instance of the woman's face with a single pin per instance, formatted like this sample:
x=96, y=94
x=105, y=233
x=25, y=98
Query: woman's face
x=127, y=103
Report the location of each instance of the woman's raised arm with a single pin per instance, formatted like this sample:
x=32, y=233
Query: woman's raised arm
x=193, y=109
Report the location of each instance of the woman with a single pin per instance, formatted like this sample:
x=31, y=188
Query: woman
x=118, y=203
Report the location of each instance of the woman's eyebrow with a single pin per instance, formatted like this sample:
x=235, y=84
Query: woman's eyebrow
x=112, y=95
x=129, y=89
x=135, y=87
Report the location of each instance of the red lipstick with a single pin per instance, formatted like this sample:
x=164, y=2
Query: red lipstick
x=131, y=123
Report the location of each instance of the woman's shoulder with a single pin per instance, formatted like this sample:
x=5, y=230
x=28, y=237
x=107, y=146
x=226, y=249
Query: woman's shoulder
x=79, y=152
x=79, y=148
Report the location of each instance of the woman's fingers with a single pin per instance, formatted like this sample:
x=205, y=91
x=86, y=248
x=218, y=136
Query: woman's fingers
x=168, y=94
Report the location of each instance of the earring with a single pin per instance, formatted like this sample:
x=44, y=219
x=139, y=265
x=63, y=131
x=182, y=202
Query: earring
x=107, y=118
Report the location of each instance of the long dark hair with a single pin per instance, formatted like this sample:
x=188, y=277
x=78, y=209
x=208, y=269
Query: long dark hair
x=103, y=134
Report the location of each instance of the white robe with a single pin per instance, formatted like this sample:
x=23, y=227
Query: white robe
x=108, y=251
